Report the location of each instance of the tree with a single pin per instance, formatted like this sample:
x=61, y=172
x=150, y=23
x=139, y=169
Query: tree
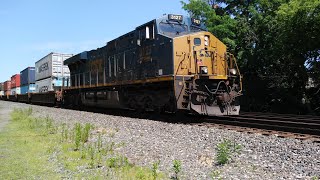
x=222, y=26
x=276, y=42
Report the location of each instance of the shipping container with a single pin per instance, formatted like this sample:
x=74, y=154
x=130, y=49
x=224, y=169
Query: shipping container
x=7, y=86
x=15, y=81
x=27, y=76
x=52, y=66
x=1, y=86
x=16, y=90
x=31, y=88
x=50, y=84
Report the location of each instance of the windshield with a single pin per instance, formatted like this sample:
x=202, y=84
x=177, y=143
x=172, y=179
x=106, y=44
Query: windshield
x=172, y=29
x=195, y=29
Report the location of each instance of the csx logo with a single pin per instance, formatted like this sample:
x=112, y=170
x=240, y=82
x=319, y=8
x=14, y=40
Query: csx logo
x=43, y=67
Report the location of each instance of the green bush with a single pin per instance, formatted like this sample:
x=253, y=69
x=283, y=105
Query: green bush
x=50, y=128
x=64, y=132
x=176, y=168
x=81, y=134
x=226, y=150
x=99, y=143
x=118, y=161
x=91, y=153
x=215, y=175
x=86, y=132
x=155, y=169
x=77, y=138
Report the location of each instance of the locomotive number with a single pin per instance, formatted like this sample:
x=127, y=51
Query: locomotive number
x=175, y=17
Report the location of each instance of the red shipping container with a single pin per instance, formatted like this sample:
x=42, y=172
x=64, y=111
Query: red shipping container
x=7, y=86
x=15, y=81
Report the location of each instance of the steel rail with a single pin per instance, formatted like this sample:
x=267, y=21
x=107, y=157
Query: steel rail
x=284, y=125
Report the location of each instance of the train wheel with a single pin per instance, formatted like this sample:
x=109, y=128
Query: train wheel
x=132, y=103
x=148, y=104
x=80, y=105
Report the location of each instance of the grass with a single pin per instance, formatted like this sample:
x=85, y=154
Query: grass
x=176, y=169
x=226, y=150
x=27, y=144
x=155, y=169
x=24, y=146
x=216, y=175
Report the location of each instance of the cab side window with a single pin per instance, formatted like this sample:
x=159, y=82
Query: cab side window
x=147, y=32
x=197, y=41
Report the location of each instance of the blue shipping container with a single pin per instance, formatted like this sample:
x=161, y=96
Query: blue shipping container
x=31, y=88
x=27, y=76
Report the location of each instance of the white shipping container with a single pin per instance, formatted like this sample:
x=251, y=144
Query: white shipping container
x=44, y=85
x=50, y=84
x=15, y=91
x=52, y=66
x=1, y=93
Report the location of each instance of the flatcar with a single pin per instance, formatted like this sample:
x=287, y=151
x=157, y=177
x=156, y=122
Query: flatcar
x=168, y=64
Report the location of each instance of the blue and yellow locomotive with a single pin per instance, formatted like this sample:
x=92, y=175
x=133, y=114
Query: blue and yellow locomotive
x=168, y=64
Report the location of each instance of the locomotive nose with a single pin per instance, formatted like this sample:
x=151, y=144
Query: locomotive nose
x=204, y=76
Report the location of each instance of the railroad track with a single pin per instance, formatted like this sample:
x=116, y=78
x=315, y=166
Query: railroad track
x=283, y=125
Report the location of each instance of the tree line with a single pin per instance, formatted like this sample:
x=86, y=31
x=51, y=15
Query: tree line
x=277, y=44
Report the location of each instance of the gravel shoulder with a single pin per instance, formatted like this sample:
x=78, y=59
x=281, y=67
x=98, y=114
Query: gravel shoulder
x=146, y=141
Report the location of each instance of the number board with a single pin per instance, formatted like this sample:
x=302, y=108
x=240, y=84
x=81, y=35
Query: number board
x=173, y=17
x=196, y=22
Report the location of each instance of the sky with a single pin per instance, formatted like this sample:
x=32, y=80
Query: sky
x=31, y=29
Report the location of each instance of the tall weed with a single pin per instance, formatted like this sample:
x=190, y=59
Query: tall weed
x=226, y=150
x=77, y=137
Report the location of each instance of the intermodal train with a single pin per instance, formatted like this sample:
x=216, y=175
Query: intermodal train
x=169, y=64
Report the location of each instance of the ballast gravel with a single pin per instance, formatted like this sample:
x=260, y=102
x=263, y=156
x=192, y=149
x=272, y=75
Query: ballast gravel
x=146, y=141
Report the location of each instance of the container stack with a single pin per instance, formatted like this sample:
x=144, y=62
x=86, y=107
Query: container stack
x=7, y=88
x=51, y=74
x=15, y=84
x=28, y=80
x=1, y=89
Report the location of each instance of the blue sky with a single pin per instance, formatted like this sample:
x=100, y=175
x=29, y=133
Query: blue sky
x=31, y=29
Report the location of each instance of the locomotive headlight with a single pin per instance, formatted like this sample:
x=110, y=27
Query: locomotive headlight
x=206, y=41
x=204, y=69
x=233, y=71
